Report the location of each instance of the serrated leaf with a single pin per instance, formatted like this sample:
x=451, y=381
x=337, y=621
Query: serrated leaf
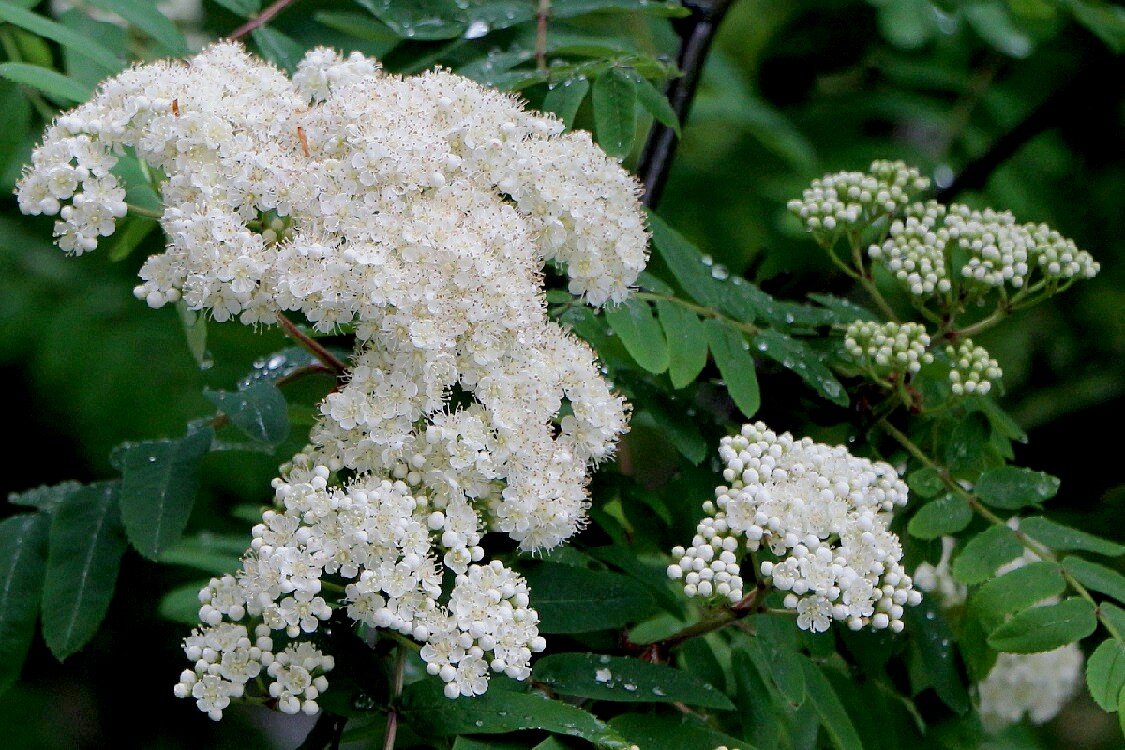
x=665, y=732
x=807, y=364
x=357, y=25
x=130, y=233
x=577, y=600
x=58, y=87
x=23, y=559
x=498, y=711
x=181, y=604
x=842, y=310
x=680, y=432
x=159, y=481
x=926, y=481
x=195, y=331
x=615, y=112
x=833, y=717
x=616, y=678
x=1097, y=577
x=1105, y=673
x=741, y=301
x=941, y=517
x=1045, y=628
x=655, y=103
x=984, y=553
x=782, y=667
x=1065, y=539
x=143, y=15
x=735, y=364
x=687, y=342
x=565, y=98
x=86, y=545
x=259, y=411
x=244, y=8
x=1113, y=615
x=640, y=333
x=48, y=29
x=45, y=498
x=931, y=636
x=277, y=47
x=1012, y=487
x=214, y=553
x=1014, y=591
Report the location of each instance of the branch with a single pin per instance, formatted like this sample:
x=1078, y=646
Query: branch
x=261, y=19
x=696, y=32
x=1072, y=97
x=541, y=16
x=310, y=344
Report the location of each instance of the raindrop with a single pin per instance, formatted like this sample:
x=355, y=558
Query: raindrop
x=276, y=361
x=707, y=260
x=207, y=361
x=629, y=686
x=720, y=272
x=789, y=317
x=363, y=702
x=476, y=30
x=763, y=346
x=603, y=675
x=658, y=692
x=478, y=723
x=152, y=459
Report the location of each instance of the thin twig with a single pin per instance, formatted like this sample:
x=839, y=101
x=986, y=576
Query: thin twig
x=261, y=19
x=541, y=16
x=696, y=32
x=396, y=693
x=313, y=346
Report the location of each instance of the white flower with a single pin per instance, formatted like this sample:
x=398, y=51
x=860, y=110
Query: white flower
x=822, y=512
x=847, y=200
x=888, y=347
x=421, y=210
x=973, y=370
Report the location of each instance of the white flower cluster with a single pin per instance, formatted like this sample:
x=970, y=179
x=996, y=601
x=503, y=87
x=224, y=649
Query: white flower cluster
x=422, y=210
x=1034, y=685
x=918, y=251
x=846, y=200
x=888, y=347
x=973, y=368
x=823, y=512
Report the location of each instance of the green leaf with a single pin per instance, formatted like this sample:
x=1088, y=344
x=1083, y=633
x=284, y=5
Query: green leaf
x=926, y=481
x=1104, y=20
x=1113, y=615
x=130, y=233
x=965, y=451
x=56, y=32
x=1014, y=591
x=259, y=411
x=672, y=732
x=687, y=342
x=640, y=333
x=195, y=331
x=278, y=48
x=565, y=98
x=694, y=273
x=616, y=678
x=1012, y=487
x=55, y=85
x=46, y=498
x=1097, y=577
x=941, y=517
x=23, y=557
x=1105, y=674
x=500, y=711
x=986, y=552
x=781, y=666
x=577, y=600
x=1045, y=628
x=655, y=103
x=244, y=8
x=86, y=544
x=159, y=481
x=615, y=112
x=809, y=365
x=15, y=124
x=680, y=432
x=931, y=636
x=143, y=15
x=735, y=364
x=842, y=310
x=207, y=551
x=181, y=604
x=1065, y=539
x=833, y=717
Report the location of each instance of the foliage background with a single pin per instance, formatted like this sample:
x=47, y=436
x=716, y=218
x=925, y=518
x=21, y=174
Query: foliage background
x=792, y=89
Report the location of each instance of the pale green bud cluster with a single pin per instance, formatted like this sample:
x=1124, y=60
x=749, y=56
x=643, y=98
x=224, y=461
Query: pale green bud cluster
x=889, y=347
x=973, y=369
x=914, y=251
x=847, y=200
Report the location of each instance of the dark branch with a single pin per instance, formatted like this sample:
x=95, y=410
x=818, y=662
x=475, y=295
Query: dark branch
x=1073, y=96
x=261, y=19
x=696, y=32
